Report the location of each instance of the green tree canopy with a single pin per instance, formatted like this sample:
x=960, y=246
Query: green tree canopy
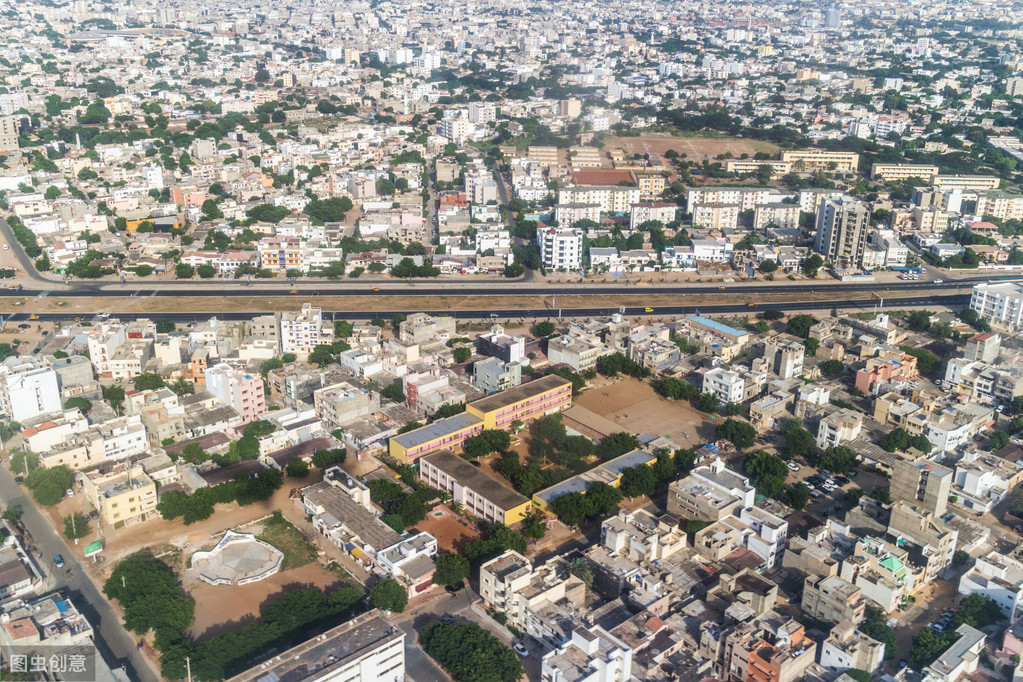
x=388, y=595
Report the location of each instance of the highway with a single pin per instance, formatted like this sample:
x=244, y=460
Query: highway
x=116, y=644
x=949, y=301
x=214, y=288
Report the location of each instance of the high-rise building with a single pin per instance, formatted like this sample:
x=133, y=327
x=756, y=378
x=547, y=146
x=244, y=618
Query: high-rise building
x=301, y=331
x=239, y=389
x=999, y=303
x=8, y=134
x=922, y=484
x=560, y=249
x=842, y=231
x=832, y=17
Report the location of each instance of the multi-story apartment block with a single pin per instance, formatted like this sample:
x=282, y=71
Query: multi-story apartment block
x=8, y=134
x=710, y=493
x=716, y=216
x=734, y=386
x=641, y=537
x=842, y=232
x=592, y=654
x=521, y=404
x=1000, y=304
x=493, y=376
x=496, y=343
x=560, y=249
x=832, y=599
x=28, y=388
x=1001, y=205
x=301, y=332
x=923, y=484
x=479, y=493
x=839, y=427
x=422, y=328
x=902, y=171
x=122, y=496
x=342, y=403
x=846, y=648
x=612, y=198
x=661, y=211
x=816, y=159
x=784, y=358
x=367, y=647
x=238, y=389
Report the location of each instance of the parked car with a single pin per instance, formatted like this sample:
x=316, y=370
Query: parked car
x=521, y=650
x=446, y=619
x=792, y=466
x=58, y=561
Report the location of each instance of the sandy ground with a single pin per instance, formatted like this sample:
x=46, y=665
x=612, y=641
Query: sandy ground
x=221, y=608
x=453, y=532
x=694, y=147
x=637, y=407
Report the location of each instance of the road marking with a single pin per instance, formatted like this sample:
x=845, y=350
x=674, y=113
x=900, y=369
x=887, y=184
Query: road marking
x=43, y=294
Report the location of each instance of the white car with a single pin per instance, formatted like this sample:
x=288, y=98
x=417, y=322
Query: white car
x=938, y=281
x=521, y=650
x=792, y=466
x=6, y=247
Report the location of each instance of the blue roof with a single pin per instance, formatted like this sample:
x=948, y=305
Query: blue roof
x=717, y=326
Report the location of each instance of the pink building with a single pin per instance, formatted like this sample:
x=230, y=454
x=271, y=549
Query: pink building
x=239, y=389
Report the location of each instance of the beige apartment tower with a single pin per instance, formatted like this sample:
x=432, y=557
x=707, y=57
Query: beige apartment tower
x=922, y=484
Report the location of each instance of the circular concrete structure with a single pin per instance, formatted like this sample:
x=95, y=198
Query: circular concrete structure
x=238, y=559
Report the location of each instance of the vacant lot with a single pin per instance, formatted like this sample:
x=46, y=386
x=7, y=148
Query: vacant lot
x=453, y=532
x=637, y=407
x=707, y=147
x=220, y=608
x=279, y=532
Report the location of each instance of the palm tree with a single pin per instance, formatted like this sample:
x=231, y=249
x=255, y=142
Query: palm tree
x=580, y=568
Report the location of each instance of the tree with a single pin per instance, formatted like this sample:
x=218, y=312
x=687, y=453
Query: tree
x=248, y=448
x=740, y=434
x=798, y=441
x=76, y=526
x=83, y=404
x=572, y=508
x=810, y=346
x=48, y=484
x=978, y=611
x=676, y=389
x=832, y=367
x=206, y=271
x=262, y=75
x=297, y=468
x=324, y=459
x=462, y=354
x=544, y=329
x=705, y=402
x=998, y=440
x=811, y=265
x=395, y=522
x=799, y=325
x=768, y=472
x=768, y=266
x=927, y=362
x=388, y=595
x=184, y=271
x=928, y=645
x=410, y=508
x=616, y=444
x=580, y=568
x=165, y=326
x=322, y=355
x=882, y=495
x=395, y=392
x=343, y=329
x=452, y=569
x=772, y=315
x=148, y=381
x=838, y=459
x=638, y=480
x=114, y=395
x=796, y=496
x=919, y=320
x=12, y=513
x=469, y=653
x=875, y=626
x=603, y=498
x=150, y=596
x=854, y=495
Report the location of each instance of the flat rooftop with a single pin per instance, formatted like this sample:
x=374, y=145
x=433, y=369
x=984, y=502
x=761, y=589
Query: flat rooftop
x=437, y=429
x=476, y=479
x=315, y=658
x=519, y=393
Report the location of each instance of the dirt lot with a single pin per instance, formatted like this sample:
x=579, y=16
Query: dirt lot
x=453, y=532
x=636, y=406
x=227, y=607
x=694, y=147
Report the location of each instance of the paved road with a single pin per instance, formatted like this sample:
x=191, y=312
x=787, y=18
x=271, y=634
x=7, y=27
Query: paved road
x=823, y=307
x=118, y=647
x=221, y=288
x=420, y=667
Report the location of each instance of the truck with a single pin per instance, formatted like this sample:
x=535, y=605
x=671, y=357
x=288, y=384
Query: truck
x=15, y=287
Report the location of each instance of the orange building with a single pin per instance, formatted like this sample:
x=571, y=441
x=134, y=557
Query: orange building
x=786, y=660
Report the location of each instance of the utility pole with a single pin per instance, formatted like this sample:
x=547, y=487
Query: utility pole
x=188, y=667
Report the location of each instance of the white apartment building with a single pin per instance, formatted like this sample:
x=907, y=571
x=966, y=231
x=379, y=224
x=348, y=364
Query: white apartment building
x=28, y=388
x=998, y=577
x=591, y=655
x=768, y=538
x=301, y=332
x=482, y=113
x=746, y=198
x=1000, y=304
x=560, y=249
x=839, y=427
x=713, y=250
x=238, y=389
x=456, y=129
x=612, y=198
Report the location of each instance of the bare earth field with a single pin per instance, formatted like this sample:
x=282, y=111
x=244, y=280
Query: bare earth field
x=636, y=406
x=453, y=533
x=693, y=147
x=227, y=607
